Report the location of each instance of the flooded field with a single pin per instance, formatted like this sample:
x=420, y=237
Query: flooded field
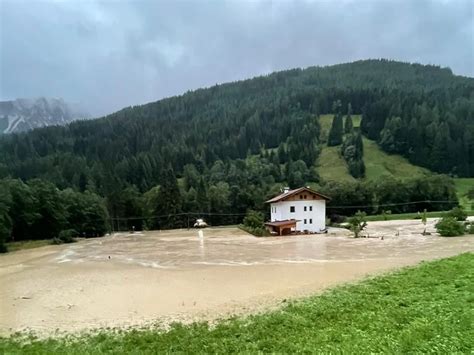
x=134, y=279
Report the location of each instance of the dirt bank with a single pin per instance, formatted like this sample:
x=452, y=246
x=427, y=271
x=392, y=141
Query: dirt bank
x=134, y=279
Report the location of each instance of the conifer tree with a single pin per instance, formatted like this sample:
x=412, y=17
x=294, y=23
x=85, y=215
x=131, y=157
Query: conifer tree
x=335, y=134
x=348, y=125
x=169, y=201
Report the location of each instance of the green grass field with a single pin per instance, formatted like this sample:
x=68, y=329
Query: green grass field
x=379, y=164
x=331, y=165
x=415, y=215
x=27, y=244
x=423, y=309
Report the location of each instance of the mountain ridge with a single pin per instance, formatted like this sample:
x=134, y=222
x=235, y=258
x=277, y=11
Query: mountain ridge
x=24, y=114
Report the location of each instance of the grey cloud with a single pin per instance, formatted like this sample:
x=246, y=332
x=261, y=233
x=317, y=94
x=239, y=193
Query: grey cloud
x=111, y=54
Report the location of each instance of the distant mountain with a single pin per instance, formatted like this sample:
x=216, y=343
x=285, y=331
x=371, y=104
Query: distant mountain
x=25, y=114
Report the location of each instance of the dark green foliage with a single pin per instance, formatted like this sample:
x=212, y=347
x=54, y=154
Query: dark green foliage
x=348, y=125
x=86, y=213
x=470, y=194
x=336, y=132
x=38, y=210
x=434, y=193
x=168, y=202
x=458, y=213
x=66, y=236
x=352, y=151
x=5, y=220
x=254, y=223
x=449, y=227
x=417, y=310
x=50, y=209
x=357, y=223
x=253, y=219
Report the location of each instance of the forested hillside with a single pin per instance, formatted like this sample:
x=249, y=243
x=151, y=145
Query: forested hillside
x=226, y=148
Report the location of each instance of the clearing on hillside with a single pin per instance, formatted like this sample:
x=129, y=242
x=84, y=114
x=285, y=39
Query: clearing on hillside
x=331, y=165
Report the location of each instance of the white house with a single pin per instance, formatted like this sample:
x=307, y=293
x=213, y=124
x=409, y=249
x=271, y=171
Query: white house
x=299, y=210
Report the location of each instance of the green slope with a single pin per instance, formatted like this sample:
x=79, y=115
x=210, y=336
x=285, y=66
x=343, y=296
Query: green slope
x=379, y=164
x=331, y=165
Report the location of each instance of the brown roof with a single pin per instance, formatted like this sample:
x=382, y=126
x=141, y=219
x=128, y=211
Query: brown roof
x=281, y=223
x=285, y=195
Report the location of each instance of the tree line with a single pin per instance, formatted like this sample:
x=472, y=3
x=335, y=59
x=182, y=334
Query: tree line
x=39, y=210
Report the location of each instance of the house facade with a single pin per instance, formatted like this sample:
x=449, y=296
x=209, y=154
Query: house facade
x=299, y=210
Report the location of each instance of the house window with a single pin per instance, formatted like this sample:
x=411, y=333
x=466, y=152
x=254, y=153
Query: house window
x=305, y=197
x=305, y=221
x=292, y=209
x=305, y=208
x=310, y=221
x=310, y=208
x=301, y=197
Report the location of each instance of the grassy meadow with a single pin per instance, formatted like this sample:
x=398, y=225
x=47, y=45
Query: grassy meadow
x=423, y=309
x=331, y=165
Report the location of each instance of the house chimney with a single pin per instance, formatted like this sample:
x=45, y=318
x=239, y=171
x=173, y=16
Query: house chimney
x=286, y=189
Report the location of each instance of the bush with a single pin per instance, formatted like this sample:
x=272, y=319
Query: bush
x=254, y=219
x=254, y=224
x=458, y=213
x=449, y=227
x=386, y=214
x=337, y=218
x=357, y=223
x=66, y=236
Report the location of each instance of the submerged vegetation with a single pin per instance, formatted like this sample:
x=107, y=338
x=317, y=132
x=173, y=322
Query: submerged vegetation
x=422, y=309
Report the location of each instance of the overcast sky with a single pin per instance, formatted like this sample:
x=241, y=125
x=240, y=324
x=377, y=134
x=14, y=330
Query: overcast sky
x=112, y=54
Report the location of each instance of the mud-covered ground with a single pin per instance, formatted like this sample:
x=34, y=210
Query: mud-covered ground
x=135, y=279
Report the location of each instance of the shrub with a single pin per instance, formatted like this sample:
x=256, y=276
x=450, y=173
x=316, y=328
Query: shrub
x=337, y=218
x=386, y=214
x=458, y=213
x=253, y=219
x=358, y=223
x=253, y=224
x=66, y=236
x=449, y=227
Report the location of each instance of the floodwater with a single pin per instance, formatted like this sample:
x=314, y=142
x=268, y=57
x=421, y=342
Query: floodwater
x=134, y=279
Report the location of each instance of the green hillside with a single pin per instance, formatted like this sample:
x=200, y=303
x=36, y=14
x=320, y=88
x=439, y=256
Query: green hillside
x=232, y=145
x=331, y=165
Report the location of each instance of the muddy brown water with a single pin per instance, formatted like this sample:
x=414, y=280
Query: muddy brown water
x=185, y=275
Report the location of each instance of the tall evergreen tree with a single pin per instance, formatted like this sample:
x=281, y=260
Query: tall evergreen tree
x=168, y=202
x=336, y=132
x=348, y=125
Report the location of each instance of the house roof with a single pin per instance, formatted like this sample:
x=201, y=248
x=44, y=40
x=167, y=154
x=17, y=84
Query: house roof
x=289, y=193
x=282, y=223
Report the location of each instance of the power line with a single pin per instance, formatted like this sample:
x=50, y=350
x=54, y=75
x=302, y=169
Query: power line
x=243, y=214
x=392, y=204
